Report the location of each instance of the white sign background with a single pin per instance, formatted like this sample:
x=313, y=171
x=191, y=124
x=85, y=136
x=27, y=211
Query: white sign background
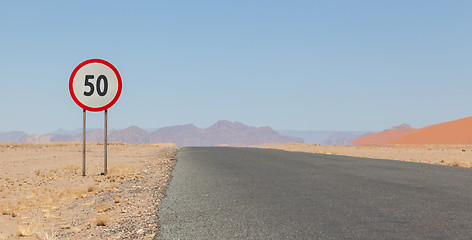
x=95, y=102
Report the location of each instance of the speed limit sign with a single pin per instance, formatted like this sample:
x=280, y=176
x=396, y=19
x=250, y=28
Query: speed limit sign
x=95, y=85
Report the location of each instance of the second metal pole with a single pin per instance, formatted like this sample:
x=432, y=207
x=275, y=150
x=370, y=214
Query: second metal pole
x=83, y=149
x=106, y=143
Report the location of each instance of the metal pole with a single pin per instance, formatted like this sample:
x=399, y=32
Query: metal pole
x=83, y=149
x=106, y=142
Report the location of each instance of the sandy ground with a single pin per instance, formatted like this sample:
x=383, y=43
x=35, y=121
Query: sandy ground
x=43, y=194
x=452, y=155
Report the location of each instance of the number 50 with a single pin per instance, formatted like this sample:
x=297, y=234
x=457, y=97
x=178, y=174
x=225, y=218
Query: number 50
x=101, y=92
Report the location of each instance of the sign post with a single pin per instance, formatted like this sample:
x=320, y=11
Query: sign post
x=95, y=85
x=105, y=143
x=83, y=148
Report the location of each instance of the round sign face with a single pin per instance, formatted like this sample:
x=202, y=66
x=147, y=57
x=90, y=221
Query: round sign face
x=95, y=85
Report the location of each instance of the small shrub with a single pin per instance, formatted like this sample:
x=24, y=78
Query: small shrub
x=101, y=220
x=103, y=208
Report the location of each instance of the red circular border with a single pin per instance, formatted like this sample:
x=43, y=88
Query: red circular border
x=71, y=89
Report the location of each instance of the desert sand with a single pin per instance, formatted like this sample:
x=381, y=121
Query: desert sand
x=457, y=132
x=451, y=155
x=382, y=138
x=43, y=194
x=452, y=132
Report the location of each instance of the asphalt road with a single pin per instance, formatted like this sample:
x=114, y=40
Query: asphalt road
x=244, y=193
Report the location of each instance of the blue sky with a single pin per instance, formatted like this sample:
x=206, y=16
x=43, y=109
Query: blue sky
x=295, y=65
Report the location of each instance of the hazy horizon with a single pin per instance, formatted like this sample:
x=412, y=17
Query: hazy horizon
x=151, y=129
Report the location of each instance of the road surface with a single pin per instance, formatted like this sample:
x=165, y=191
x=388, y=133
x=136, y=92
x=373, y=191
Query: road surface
x=245, y=193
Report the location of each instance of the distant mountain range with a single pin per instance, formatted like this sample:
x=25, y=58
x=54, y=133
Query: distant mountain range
x=326, y=137
x=237, y=134
x=14, y=136
x=221, y=133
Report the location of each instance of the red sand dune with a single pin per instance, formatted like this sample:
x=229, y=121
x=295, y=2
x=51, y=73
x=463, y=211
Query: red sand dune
x=384, y=137
x=454, y=132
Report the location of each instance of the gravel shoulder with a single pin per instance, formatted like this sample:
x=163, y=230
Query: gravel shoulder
x=43, y=194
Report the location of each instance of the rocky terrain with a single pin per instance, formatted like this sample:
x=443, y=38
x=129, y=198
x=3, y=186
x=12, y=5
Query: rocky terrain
x=43, y=194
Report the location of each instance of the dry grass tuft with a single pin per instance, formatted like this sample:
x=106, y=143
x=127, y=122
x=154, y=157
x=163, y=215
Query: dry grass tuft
x=454, y=164
x=65, y=226
x=89, y=203
x=100, y=220
x=7, y=209
x=23, y=231
x=34, y=229
x=91, y=188
x=76, y=229
x=122, y=170
x=101, y=208
x=48, y=215
x=46, y=236
x=73, y=192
